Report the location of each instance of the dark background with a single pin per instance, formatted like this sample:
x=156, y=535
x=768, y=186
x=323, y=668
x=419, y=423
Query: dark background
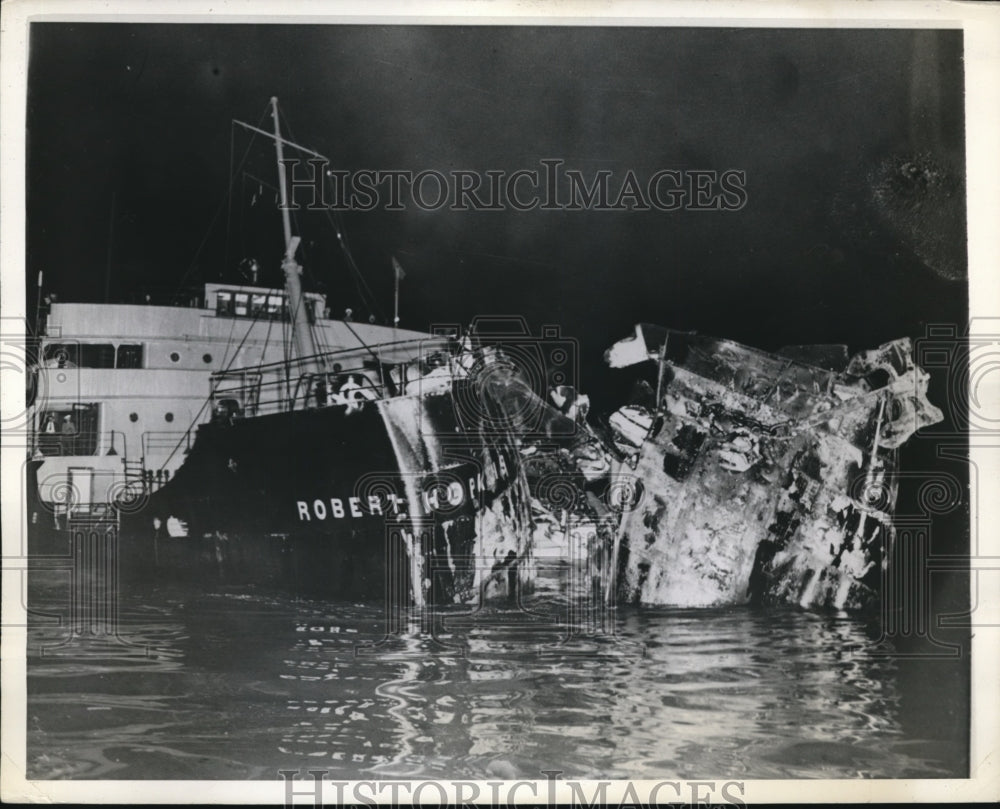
x=852, y=142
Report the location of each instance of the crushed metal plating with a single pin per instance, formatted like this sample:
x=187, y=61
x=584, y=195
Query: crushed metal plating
x=761, y=478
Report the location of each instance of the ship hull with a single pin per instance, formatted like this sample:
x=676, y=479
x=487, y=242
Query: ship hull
x=403, y=499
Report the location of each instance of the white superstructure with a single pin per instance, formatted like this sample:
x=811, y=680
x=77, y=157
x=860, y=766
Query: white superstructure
x=122, y=388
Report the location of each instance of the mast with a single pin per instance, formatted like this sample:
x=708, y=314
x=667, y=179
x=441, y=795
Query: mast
x=302, y=335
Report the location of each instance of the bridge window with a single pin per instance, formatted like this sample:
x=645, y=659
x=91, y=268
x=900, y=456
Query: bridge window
x=275, y=306
x=224, y=302
x=242, y=300
x=272, y=306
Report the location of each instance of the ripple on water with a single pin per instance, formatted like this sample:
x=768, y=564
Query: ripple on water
x=240, y=684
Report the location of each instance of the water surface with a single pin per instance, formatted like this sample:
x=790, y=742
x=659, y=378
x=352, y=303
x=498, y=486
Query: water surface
x=237, y=684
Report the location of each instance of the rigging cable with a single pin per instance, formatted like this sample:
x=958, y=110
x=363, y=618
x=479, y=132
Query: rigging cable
x=226, y=202
x=368, y=298
x=208, y=398
x=359, y=277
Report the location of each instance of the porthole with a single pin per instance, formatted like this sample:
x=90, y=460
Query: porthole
x=206, y=358
x=169, y=417
x=174, y=356
x=133, y=416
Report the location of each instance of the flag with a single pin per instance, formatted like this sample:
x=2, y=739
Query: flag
x=400, y=275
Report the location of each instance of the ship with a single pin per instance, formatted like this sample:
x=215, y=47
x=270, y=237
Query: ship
x=413, y=493
x=120, y=389
x=352, y=461
x=760, y=478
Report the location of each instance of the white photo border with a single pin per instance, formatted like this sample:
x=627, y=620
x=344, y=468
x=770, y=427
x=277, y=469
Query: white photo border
x=980, y=23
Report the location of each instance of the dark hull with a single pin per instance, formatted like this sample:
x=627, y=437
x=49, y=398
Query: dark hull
x=398, y=500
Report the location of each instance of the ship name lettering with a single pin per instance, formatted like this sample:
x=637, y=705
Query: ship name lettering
x=452, y=493
x=335, y=507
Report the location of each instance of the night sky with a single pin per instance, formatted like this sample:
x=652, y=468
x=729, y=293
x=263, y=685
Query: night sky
x=852, y=142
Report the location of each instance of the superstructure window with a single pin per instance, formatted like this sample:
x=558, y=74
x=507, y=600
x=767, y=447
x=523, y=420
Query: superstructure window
x=129, y=356
x=68, y=430
x=80, y=355
x=62, y=355
x=97, y=356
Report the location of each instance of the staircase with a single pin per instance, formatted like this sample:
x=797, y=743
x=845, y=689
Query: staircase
x=136, y=473
x=135, y=469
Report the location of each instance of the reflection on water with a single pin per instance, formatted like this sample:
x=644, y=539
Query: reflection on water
x=228, y=685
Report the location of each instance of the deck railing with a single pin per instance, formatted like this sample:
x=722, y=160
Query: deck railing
x=346, y=377
x=78, y=443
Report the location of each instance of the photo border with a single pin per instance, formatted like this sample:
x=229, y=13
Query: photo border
x=981, y=26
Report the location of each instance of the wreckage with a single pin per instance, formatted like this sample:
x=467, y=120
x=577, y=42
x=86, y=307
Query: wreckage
x=757, y=477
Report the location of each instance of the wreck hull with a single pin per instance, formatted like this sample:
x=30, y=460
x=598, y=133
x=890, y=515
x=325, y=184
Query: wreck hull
x=719, y=538
x=394, y=500
x=762, y=479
